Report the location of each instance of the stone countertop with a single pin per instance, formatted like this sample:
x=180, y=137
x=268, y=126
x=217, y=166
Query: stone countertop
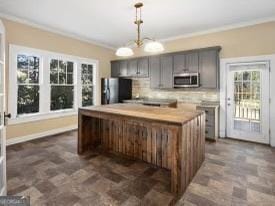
x=209, y=104
x=151, y=101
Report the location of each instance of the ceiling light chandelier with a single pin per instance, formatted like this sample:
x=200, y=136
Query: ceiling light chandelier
x=152, y=46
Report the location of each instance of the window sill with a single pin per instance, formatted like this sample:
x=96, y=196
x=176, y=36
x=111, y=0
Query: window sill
x=39, y=116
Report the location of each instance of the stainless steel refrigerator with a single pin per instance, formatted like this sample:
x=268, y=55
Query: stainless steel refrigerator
x=115, y=90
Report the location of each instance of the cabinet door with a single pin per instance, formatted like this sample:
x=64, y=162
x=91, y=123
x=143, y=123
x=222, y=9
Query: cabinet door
x=132, y=68
x=208, y=66
x=166, y=71
x=143, y=67
x=179, y=64
x=123, y=68
x=192, y=62
x=154, y=66
x=115, y=69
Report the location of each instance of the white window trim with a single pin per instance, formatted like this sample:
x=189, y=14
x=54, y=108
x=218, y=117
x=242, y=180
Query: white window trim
x=44, y=78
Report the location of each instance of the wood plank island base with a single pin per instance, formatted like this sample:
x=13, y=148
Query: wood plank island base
x=167, y=137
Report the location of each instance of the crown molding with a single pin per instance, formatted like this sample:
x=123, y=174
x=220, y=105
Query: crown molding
x=220, y=29
x=54, y=30
x=90, y=41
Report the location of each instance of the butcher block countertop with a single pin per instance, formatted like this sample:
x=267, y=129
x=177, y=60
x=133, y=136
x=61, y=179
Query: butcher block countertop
x=169, y=115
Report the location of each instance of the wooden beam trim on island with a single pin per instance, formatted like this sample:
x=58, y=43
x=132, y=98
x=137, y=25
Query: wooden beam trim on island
x=177, y=145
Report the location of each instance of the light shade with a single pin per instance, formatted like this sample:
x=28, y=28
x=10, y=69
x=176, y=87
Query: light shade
x=124, y=52
x=153, y=47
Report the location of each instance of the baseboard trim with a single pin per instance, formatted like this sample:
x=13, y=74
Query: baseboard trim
x=26, y=138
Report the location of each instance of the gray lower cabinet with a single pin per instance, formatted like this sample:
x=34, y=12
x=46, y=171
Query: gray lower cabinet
x=209, y=68
x=161, y=69
x=211, y=121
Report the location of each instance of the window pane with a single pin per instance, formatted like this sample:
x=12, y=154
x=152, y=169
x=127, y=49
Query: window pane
x=246, y=76
x=62, y=66
x=62, y=97
x=28, y=99
x=22, y=62
x=70, y=78
x=87, y=95
x=31, y=62
x=33, y=76
x=84, y=70
x=53, y=65
x=90, y=69
x=62, y=78
x=70, y=67
x=54, y=78
x=22, y=75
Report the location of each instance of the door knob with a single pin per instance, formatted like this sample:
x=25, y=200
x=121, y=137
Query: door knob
x=7, y=115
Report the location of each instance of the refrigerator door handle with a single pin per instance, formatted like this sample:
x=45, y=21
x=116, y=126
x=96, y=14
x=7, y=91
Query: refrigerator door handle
x=108, y=95
x=105, y=96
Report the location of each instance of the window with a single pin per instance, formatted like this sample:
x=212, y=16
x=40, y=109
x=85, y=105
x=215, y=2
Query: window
x=45, y=84
x=62, y=84
x=27, y=84
x=87, y=84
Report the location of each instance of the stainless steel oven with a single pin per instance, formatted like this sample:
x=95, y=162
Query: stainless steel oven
x=186, y=80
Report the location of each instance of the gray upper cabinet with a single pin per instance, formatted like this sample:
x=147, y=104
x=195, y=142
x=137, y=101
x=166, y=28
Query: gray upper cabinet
x=138, y=67
x=119, y=68
x=132, y=67
x=186, y=62
x=154, y=65
x=209, y=68
x=192, y=62
x=123, y=68
x=143, y=67
x=166, y=63
x=115, y=69
x=179, y=63
x=161, y=69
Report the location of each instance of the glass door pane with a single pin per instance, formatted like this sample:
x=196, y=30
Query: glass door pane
x=247, y=101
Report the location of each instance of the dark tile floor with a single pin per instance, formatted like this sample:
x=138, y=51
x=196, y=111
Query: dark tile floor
x=50, y=171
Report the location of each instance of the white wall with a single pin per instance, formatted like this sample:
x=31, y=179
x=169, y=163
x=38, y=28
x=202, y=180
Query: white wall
x=223, y=86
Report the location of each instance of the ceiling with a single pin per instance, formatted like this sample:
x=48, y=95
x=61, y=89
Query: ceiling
x=110, y=22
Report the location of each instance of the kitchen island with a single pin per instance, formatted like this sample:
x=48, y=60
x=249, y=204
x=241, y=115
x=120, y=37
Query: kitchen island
x=166, y=137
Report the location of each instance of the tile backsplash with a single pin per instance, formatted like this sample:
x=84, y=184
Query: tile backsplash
x=141, y=88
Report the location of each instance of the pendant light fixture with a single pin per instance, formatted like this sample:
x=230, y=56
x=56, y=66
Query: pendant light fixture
x=151, y=45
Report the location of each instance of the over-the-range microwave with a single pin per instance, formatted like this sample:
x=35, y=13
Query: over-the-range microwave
x=186, y=80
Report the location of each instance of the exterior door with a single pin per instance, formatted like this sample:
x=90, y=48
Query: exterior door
x=3, y=185
x=248, y=101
